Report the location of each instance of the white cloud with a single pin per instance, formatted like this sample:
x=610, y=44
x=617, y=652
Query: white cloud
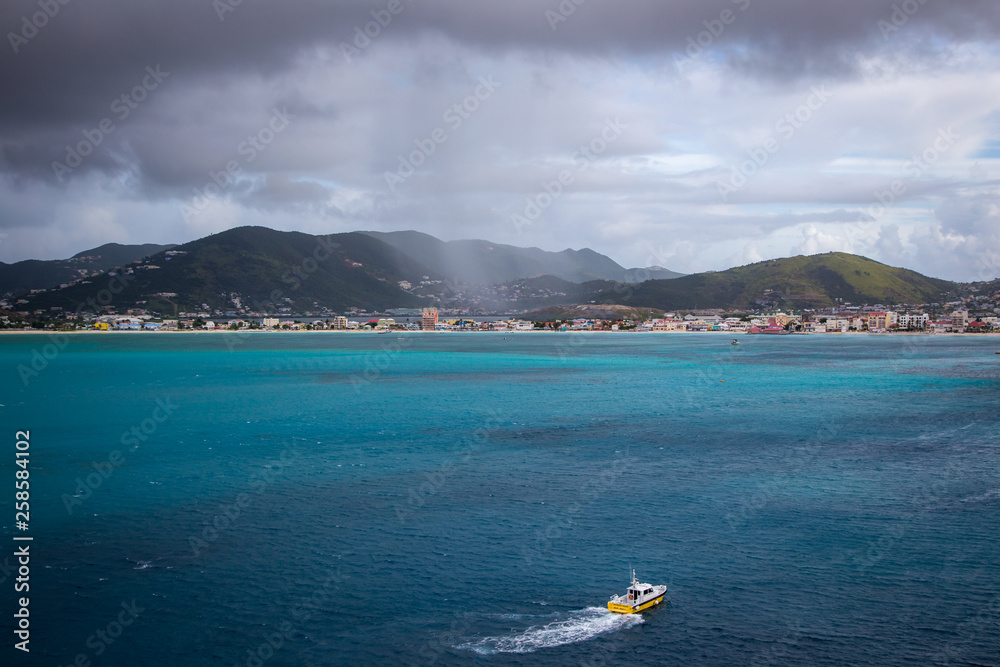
x=654, y=186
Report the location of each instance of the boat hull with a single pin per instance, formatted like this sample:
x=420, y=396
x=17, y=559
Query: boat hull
x=630, y=609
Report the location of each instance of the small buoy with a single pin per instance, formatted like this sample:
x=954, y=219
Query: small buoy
x=721, y=380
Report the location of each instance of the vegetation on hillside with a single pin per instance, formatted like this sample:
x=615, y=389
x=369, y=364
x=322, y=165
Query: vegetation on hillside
x=792, y=282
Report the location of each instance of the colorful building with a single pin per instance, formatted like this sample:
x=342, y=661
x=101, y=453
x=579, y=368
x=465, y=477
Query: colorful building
x=880, y=321
x=429, y=320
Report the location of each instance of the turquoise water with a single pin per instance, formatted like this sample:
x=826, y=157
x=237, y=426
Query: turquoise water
x=473, y=498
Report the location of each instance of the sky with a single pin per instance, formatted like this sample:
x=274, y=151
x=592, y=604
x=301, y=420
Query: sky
x=695, y=135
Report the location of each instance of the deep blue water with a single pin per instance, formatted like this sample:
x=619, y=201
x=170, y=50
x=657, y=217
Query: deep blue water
x=476, y=498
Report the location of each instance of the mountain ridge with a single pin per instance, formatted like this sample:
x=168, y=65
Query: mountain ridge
x=478, y=261
x=21, y=277
x=257, y=269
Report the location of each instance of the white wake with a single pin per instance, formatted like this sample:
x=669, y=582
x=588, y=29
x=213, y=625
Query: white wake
x=576, y=626
x=989, y=495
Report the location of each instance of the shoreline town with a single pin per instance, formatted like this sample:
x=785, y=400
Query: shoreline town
x=848, y=320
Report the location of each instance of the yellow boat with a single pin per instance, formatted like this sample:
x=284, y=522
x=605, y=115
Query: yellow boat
x=638, y=597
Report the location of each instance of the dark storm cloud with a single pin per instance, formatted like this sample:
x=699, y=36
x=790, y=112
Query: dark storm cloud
x=695, y=82
x=89, y=51
x=87, y=55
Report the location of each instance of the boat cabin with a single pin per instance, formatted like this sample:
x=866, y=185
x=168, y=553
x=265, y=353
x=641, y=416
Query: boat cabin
x=638, y=592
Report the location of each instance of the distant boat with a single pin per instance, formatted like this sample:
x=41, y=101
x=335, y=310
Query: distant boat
x=638, y=597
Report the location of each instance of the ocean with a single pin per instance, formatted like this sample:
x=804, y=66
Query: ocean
x=456, y=499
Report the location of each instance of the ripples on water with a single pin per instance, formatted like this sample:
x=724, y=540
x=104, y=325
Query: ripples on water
x=809, y=500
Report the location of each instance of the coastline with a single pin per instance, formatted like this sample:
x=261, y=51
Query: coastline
x=242, y=332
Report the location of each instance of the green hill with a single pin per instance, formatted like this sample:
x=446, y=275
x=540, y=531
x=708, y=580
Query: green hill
x=270, y=271
x=22, y=277
x=793, y=282
x=592, y=311
x=263, y=269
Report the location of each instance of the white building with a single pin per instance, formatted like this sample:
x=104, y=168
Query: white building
x=913, y=321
